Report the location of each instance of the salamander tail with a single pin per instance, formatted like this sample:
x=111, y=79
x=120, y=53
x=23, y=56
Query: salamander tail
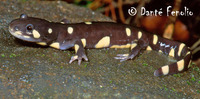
x=179, y=66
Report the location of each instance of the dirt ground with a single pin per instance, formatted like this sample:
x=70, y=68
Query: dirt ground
x=28, y=70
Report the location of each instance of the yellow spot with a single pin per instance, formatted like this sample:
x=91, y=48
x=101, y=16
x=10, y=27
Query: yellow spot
x=165, y=69
x=180, y=49
x=18, y=32
x=180, y=65
x=50, y=30
x=139, y=34
x=42, y=43
x=187, y=53
x=70, y=30
x=76, y=47
x=155, y=39
x=104, y=42
x=121, y=46
x=171, y=53
x=160, y=51
x=36, y=34
x=128, y=31
x=62, y=22
x=149, y=48
x=133, y=45
x=55, y=45
x=26, y=36
x=124, y=46
x=83, y=42
x=88, y=22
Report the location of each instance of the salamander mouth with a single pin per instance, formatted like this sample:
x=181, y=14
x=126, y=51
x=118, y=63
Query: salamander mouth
x=19, y=35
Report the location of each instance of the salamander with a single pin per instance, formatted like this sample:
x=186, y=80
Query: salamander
x=87, y=35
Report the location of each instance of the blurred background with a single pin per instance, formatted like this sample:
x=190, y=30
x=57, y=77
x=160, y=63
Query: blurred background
x=182, y=28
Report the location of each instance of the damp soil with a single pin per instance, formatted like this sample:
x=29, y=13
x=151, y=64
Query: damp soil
x=28, y=70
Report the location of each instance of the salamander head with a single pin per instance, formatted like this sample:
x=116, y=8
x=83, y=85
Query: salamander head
x=32, y=29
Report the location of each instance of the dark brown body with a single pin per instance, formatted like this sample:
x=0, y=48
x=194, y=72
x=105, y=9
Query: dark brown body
x=100, y=35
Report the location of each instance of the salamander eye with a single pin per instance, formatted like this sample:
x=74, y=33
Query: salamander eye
x=29, y=27
x=23, y=16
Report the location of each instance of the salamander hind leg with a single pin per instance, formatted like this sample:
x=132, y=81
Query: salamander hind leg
x=124, y=57
x=135, y=50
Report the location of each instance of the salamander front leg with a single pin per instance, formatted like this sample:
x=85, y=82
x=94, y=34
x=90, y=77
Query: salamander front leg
x=80, y=53
x=76, y=57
